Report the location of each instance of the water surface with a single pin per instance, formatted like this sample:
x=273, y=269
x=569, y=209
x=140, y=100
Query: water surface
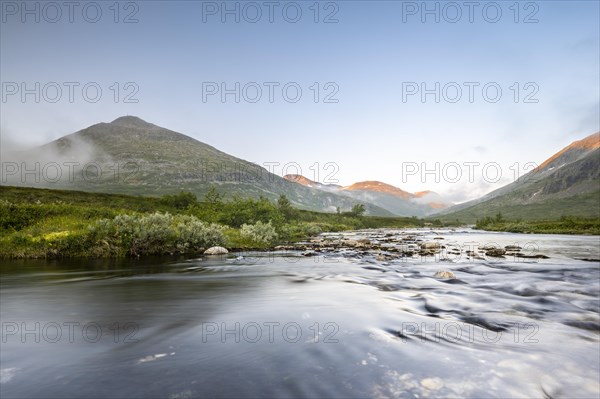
x=341, y=324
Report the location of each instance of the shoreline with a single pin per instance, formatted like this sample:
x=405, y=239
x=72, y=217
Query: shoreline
x=381, y=244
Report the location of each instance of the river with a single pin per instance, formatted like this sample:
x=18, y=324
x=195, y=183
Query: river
x=281, y=325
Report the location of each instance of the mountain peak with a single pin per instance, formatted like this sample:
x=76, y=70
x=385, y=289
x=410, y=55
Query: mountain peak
x=131, y=121
x=591, y=142
x=572, y=152
x=300, y=180
x=373, y=185
x=423, y=193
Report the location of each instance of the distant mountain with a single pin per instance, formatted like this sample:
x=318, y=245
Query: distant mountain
x=313, y=184
x=384, y=195
x=567, y=183
x=132, y=156
x=379, y=187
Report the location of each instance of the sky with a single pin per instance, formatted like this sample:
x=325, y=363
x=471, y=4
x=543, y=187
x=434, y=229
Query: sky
x=454, y=97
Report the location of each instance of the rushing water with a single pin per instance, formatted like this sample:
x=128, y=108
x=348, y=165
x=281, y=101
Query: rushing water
x=283, y=325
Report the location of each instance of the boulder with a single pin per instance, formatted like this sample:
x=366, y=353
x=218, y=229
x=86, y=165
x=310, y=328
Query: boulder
x=445, y=274
x=512, y=248
x=537, y=256
x=216, y=251
x=382, y=258
x=433, y=384
x=495, y=252
x=431, y=245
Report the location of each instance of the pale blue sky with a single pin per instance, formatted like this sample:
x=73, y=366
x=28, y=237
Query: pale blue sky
x=368, y=54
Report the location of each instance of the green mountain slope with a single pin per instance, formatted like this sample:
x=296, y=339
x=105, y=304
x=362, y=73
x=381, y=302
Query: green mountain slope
x=567, y=184
x=131, y=156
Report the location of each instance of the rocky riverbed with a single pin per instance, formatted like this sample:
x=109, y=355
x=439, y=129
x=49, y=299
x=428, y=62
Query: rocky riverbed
x=388, y=245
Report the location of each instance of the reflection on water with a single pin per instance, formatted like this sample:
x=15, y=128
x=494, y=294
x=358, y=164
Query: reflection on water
x=339, y=325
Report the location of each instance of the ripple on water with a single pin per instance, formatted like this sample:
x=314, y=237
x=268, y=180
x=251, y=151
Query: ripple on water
x=7, y=374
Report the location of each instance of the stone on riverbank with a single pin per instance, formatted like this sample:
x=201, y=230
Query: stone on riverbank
x=216, y=251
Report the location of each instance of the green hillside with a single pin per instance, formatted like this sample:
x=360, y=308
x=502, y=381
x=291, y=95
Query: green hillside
x=567, y=184
x=131, y=156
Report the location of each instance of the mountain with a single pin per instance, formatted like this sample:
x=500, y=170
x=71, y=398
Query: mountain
x=132, y=156
x=394, y=199
x=567, y=183
x=378, y=187
x=313, y=184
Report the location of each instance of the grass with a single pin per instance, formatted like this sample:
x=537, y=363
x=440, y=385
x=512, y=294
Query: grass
x=563, y=225
x=583, y=206
x=44, y=223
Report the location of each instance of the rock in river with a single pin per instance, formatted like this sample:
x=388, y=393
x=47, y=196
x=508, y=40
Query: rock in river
x=433, y=384
x=495, y=252
x=216, y=251
x=446, y=274
x=431, y=245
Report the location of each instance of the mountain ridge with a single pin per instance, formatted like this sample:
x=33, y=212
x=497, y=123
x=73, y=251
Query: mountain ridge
x=392, y=198
x=132, y=156
x=567, y=183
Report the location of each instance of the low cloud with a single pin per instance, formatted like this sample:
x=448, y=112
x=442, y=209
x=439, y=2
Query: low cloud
x=57, y=162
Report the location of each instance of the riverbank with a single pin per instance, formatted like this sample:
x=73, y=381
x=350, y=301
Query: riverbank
x=564, y=225
x=43, y=223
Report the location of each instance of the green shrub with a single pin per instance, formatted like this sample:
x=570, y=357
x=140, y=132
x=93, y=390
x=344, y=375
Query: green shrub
x=193, y=234
x=66, y=244
x=262, y=233
x=19, y=216
x=155, y=233
x=183, y=200
x=241, y=211
x=299, y=231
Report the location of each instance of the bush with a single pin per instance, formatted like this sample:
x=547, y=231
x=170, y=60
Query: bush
x=299, y=231
x=156, y=233
x=262, y=233
x=237, y=211
x=193, y=234
x=180, y=201
x=66, y=243
x=18, y=216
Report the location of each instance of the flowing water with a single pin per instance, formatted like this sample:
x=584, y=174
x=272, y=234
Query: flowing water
x=342, y=324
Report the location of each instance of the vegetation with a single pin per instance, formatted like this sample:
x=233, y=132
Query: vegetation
x=62, y=223
x=154, y=233
x=260, y=233
x=59, y=223
x=564, y=225
x=513, y=207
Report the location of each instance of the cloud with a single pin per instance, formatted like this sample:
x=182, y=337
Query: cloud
x=58, y=162
x=464, y=191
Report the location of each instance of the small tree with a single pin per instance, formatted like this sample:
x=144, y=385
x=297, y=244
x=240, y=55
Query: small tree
x=358, y=210
x=285, y=207
x=180, y=201
x=499, y=218
x=213, y=196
